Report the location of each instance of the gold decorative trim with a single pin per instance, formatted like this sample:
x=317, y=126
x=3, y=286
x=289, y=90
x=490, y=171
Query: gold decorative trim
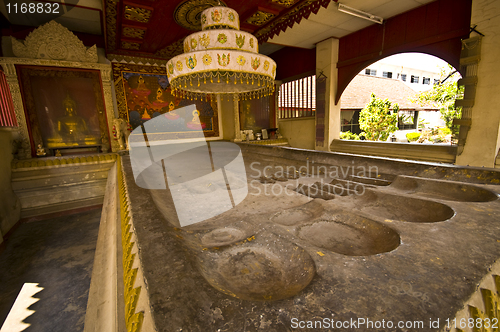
x=209, y=40
x=10, y=72
x=136, y=33
x=133, y=60
x=55, y=42
x=285, y=3
x=130, y=45
x=110, y=14
x=187, y=13
x=137, y=14
x=17, y=100
x=59, y=161
x=260, y=18
x=133, y=319
x=301, y=10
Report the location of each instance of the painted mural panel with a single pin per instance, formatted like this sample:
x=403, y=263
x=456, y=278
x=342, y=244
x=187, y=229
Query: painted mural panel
x=148, y=95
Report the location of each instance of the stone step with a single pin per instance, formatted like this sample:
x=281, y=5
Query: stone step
x=38, y=197
x=47, y=171
x=44, y=187
x=62, y=206
x=50, y=179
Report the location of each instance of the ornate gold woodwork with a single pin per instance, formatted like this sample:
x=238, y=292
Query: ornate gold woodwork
x=187, y=14
x=55, y=42
x=111, y=13
x=137, y=14
x=77, y=56
x=68, y=131
x=127, y=59
x=136, y=33
x=285, y=3
x=130, y=46
x=260, y=18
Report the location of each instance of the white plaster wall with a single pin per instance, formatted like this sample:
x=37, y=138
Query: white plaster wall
x=483, y=140
x=10, y=206
x=300, y=133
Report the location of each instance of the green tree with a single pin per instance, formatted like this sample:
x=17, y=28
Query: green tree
x=443, y=95
x=377, y=121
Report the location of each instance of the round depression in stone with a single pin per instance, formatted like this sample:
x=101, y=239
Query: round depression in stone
x=351, y=235
x=222, y=237
x=291, y=217
x=260, y=273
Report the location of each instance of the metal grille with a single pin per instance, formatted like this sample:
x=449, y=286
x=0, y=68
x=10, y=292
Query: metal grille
x=297, y=99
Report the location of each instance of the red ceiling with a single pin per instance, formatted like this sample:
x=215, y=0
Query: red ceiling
x=162, y=36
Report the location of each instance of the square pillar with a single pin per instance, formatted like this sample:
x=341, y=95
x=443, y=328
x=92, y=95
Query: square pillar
x=327, y=125
x=483, y=139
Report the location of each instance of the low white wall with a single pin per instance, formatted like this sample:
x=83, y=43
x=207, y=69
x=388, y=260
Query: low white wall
x=300, y=132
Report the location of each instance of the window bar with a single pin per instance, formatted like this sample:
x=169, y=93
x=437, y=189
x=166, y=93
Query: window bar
x=297, y=98
x=289, y=101
x=285, y=99
x=279, y=103
x=309, y=86
x=309, y=100
x=302, y=96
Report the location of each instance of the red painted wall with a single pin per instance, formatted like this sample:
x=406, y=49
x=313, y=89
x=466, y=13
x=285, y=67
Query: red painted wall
x=293, y=61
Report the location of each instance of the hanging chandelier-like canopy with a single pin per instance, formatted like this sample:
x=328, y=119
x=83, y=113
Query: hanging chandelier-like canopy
x=220, y=59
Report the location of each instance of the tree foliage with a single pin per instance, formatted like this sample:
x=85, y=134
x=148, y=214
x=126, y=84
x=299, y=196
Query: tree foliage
x=348, y=135
x=444, y=95
x=377, y=120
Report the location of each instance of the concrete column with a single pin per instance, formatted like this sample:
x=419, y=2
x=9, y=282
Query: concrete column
x=277, y=85
x=327, y=54
x=236, y=106
x=226, y=109
x=483, y=140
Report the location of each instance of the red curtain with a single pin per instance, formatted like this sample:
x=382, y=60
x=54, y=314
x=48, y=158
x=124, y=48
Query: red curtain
x=7, y=115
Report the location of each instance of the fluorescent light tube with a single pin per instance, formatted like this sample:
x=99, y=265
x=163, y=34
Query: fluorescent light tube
x=359, y=13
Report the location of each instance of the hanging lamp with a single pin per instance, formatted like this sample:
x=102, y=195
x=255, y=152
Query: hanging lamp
x=221, y=60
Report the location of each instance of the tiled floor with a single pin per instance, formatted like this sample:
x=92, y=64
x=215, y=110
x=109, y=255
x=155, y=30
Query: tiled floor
x=57, y=254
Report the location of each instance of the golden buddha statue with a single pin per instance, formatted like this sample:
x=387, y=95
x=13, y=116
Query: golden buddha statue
x=72, y=129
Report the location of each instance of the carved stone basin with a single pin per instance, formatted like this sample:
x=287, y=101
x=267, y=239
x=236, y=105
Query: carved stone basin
x=263, y=269
x=402, y=208
x=350, y=235
x=443, y=190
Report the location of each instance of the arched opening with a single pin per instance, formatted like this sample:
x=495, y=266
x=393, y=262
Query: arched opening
x=405, y=98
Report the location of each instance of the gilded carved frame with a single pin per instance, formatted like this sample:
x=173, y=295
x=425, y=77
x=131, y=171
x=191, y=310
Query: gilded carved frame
x=68, y=53
x=34, y=122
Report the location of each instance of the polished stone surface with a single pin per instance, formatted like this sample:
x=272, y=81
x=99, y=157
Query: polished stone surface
x=408, y=243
